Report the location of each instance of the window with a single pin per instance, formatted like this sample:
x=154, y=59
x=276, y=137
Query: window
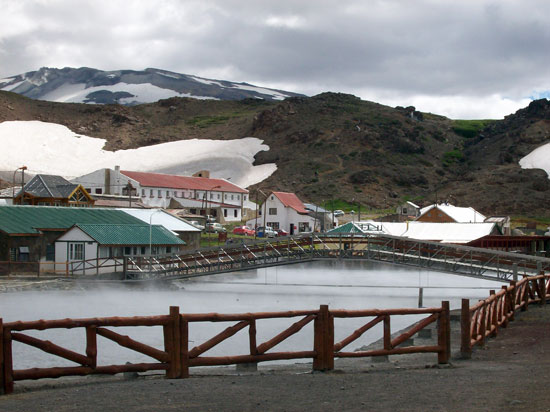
x=224, y=212
x=168, y=249
x=235, y=213
x=218, y=196
x=226, y=197
x=244, y=198
x=142, y=251
x=303, y=227
x=272, y=211
x=127, y=251
x=159, y=193
x=232, y=197
x=142, y=192
x=98, y=191
x=273, y=225
x=151, y=193
x=105, y=252
x=50, y=252
x=211, y=196
x=238, y=197
x=193, y=211
x=76, y=251
x=167, y=194
x=404, y=211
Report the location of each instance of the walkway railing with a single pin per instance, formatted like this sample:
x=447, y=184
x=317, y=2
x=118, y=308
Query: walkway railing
x=177, y=356
x=463, y=260
x=484, y=319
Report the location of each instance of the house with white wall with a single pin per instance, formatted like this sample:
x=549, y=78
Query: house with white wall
x=283, y=210
x=201, y=195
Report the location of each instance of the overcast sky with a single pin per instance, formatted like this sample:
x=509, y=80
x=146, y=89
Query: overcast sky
x=459, y=58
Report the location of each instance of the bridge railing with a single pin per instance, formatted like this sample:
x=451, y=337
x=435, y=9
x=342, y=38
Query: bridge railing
x=178, y=357
x=484, y=319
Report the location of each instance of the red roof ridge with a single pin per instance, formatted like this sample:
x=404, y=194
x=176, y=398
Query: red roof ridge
x=150, y=179
x=289, y=199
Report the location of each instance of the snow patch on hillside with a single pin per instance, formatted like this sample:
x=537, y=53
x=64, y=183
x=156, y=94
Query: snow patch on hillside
x=51, y=148
x=143, y=93
x=537, y=159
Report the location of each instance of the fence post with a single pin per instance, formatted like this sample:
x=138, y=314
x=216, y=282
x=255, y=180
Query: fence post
x=513, y=294
x=7, y=366
x=483, y=323
x=91, y=345
x=444, y=334
x=323, y=343
x=542, y=290
x=505, y=306
x=2, y=388
x=465, y=330
x=184, y=347
x=493, y=319
x=172, y=335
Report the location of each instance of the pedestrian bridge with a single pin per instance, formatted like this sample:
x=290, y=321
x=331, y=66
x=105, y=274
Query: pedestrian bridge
x=460, y=260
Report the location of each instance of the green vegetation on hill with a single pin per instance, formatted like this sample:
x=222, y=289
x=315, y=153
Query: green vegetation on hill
x=470, y=128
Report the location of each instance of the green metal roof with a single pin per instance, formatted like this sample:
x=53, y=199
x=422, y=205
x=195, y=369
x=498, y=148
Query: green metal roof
x=346, y=228
x=115, y=234
x=29, y=219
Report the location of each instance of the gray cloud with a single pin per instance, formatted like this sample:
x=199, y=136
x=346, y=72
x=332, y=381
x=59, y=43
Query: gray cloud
x=394, y=52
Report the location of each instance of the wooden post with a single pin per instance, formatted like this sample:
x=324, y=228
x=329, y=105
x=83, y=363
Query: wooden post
x=8, y=362
x=444, y=334
x=493, y=319
x=172, y=334
x=387, y=332
x=91, y=345
x=542, y=290
x=505, y=306
x=465, y=331
x=483, y=323
x=2, y=388
x=323, y=343
x=513, y=295
x=184, y=347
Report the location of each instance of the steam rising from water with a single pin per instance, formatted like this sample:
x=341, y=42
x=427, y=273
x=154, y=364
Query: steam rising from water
x=341, y=285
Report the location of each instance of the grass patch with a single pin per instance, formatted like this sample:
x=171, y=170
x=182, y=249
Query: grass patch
x=470, y=128
x=207, y=121
x=452, y=157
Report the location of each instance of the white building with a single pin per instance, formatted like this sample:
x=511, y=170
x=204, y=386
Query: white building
x=201, y=195
x=283, y=210
x=446, y=212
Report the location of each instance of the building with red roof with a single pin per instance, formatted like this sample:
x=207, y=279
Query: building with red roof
x=201, y=195
x=284, y=210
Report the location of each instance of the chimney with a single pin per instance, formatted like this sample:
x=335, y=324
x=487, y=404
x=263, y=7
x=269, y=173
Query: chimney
x=117, y=183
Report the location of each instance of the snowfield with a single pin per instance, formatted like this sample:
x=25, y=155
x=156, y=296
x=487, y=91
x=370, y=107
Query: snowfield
x=537, y=159
x=51, y=148
x=145, y=92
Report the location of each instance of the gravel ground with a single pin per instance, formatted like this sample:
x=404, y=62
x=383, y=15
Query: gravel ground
x=509, y=374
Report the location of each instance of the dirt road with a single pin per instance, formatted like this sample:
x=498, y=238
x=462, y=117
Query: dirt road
x=510, y=374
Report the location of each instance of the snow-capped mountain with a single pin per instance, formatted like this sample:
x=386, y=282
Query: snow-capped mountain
x=128, y=87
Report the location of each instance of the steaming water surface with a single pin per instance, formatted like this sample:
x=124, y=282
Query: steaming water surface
x=342, y=285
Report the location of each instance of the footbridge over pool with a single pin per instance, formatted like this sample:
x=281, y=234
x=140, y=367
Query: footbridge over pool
x=243, y=255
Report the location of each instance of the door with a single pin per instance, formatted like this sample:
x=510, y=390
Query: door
x=291, y=231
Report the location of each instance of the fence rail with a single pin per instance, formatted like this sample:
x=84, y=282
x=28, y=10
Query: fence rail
x=177, y=356
x=484, y=319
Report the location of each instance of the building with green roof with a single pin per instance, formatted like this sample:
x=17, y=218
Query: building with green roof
x=28, y=233
x=92, y=248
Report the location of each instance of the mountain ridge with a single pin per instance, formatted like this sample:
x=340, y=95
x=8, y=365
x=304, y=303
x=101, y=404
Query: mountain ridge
x=128, y=87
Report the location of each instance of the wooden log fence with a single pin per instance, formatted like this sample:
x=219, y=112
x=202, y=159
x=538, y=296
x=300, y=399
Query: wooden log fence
x=177, y=356
x=485, y=318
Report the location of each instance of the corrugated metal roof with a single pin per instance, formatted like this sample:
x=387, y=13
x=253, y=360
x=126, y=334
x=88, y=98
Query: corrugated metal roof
x=346, y=228
x=458, y=214
x=292, y=201
x=160, y=217
x=182, y=182
x=28, y=219
x=121, y=234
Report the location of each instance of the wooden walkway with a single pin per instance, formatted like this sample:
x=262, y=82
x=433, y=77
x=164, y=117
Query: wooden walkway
x=456, y=259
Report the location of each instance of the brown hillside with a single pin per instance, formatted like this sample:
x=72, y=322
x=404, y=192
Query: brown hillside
x=336, y=146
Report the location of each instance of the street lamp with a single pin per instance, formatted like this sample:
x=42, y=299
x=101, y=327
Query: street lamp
x=22, y=168
x=151, y=231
